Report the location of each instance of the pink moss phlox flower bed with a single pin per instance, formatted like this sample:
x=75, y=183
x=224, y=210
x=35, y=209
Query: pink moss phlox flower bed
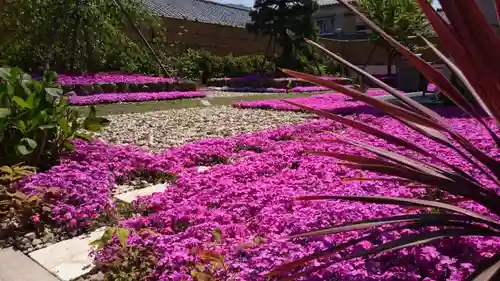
x=247, y=197
x=332, y=102
x=104, y=78
x=132, y=97
x=298, y=89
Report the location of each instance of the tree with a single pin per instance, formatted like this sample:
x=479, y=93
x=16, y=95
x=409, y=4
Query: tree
x=75, y=35
x=402, y=19
x=280, y=18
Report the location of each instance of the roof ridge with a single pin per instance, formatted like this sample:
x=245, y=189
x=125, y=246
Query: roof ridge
x=224, y=5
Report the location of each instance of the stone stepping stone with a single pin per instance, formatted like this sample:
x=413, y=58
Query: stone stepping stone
x=128, y=197
x=16, y=266
x=201, y=169
x=68, y=259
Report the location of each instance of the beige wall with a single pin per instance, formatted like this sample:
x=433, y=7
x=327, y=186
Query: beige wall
x=219, y=39
x=224, y=40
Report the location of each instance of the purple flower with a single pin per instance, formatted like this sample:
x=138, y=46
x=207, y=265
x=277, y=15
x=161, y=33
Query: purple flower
x=132, y=97
x=103, y=78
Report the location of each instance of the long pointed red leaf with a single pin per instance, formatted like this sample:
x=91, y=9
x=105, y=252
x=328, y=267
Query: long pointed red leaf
x=363, y=127
x=404, y=99
x=487, y=271
x=403, y=202
x=425, y=68
x=464, y=79
x=390, y=109
x=497, y=7
x=370, y=223
x=454, y=48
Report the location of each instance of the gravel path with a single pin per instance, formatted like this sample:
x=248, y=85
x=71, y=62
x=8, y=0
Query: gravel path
x=164, y=129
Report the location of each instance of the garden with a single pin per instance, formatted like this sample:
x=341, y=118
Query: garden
x=228, y=168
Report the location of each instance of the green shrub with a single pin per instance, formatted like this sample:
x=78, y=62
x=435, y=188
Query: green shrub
x=36, y=124
x=194, y=64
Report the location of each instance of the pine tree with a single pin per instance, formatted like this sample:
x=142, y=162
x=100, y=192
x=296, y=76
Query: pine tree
x=280, y=18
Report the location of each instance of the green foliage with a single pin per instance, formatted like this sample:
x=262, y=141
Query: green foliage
x=121, y=234
x=279, y=19
x=447, y=184
x=399, y=18
x=402, y=19
x=88, y=35
x=194, y=64
x=36, y=123
x=131, y=262
x=18, y=211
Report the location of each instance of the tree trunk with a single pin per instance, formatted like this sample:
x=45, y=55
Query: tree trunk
x=390, y=62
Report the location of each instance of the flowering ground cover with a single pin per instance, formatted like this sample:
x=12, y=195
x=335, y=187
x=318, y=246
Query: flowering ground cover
x=243, y=206
x=103, y=78
x=332, y=102
x=132, y=97
x=298, y=89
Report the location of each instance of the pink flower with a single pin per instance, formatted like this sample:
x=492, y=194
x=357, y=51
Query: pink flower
x=35, y=218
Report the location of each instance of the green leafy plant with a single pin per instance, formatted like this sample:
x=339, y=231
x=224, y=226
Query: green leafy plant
x=36, y=122
x=474, y=46
x=121, y=233
x=135, y=262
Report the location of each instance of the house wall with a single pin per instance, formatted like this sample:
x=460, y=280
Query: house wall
x=218, y=39
x=224, y=40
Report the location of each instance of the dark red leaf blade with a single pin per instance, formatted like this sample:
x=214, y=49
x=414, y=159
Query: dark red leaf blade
x=390, y=109
x=425, y=68
x=370, y=223
x=488, y=270
x=394, y=92
x=471, y=89
x=403, y=202
x=418, y=239
x=363, y=127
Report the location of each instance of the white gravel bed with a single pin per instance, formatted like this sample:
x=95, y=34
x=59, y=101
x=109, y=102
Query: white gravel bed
x=164, y=129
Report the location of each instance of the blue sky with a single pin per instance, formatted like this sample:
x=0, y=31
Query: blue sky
x=249, y=3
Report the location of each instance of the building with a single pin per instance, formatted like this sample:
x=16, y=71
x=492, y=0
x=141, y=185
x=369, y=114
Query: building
x=336, y=22
x=202, y=11
x=204, y=24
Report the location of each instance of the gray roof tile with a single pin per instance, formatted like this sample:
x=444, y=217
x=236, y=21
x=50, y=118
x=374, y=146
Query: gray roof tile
x=200, y=10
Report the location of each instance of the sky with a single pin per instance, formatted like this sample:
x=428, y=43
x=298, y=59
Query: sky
x=249, y=3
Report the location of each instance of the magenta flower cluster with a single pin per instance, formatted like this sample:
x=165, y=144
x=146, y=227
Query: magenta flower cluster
x=336, y=102
x=132, y=97
x=106, y=78
x=247, y=197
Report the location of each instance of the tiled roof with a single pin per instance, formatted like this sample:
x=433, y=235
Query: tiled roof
x=200, y=10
